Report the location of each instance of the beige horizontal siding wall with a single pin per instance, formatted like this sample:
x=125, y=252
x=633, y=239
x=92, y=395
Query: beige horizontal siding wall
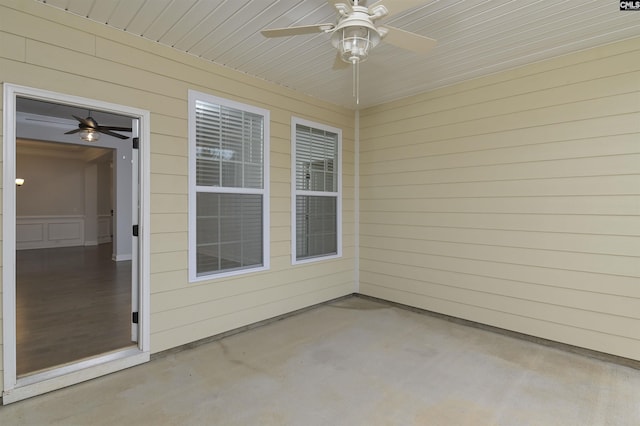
x=513, y=200
x=45, y=48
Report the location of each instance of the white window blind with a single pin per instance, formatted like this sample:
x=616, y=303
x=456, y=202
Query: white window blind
x=228, y=198
x=229, y=147
x=316, y=191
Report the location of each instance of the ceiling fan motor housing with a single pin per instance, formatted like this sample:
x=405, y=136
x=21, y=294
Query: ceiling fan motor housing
x=89, y=123
x=355, y=35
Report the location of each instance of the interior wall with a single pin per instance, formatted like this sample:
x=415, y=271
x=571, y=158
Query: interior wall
x=53, y=186
x=512, y=200
x=105, y=194
x=66, y=188
x=32, y=127
x=45, y=48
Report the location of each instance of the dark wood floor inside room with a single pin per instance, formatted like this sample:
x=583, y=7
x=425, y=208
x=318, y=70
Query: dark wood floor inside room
x=71, y=303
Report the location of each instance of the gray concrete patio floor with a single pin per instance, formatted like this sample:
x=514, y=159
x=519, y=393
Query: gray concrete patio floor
x=351, y=362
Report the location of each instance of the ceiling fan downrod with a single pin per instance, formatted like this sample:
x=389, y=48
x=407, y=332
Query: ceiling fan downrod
x=356, y=80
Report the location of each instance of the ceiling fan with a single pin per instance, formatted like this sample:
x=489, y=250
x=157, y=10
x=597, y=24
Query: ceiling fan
x=90, y=130
x=355, y=33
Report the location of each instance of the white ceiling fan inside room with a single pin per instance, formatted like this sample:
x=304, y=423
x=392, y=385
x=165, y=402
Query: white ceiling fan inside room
x=355, y=32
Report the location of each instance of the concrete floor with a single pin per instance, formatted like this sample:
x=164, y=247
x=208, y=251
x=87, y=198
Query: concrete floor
x=352, y=362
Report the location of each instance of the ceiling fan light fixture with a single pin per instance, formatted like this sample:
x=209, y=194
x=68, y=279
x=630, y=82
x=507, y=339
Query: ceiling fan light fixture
x=355, y=42
x=89, y=135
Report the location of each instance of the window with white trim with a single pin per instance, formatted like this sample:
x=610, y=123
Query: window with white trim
x=228, y=187
x=316, y=184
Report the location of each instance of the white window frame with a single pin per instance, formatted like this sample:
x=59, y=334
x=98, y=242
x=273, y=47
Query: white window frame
x=193, y=189
x=295, y=121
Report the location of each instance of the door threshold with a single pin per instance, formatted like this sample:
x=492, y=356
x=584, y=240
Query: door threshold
x=70, y=374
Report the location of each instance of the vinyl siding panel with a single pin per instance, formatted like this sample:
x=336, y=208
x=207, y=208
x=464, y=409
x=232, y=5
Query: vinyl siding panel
x=513, y=200
x=45, y=48
x=585, y=224
x=605, y=244
x=169, y=184
x=169, y=242
x=228, y=320
x=41, y=28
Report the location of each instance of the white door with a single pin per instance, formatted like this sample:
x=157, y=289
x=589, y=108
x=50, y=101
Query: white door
x=16, y=388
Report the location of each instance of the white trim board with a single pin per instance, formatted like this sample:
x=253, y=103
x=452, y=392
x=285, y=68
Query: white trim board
x=15, y=389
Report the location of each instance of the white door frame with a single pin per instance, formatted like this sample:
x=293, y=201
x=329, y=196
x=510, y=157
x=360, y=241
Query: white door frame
x=15, y=389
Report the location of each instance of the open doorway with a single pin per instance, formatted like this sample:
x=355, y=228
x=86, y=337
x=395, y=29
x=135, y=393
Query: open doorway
x=75, y=282
x=73, y=298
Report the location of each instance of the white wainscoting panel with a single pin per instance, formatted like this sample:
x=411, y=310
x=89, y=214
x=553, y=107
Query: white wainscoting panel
x=49, y=231
x=104, y=228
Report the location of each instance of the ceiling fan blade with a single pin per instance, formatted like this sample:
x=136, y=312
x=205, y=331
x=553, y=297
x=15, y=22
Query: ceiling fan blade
x=118, y=129
x=397, y=6
x=339, y=64
x=408, y=40
x=292, y=31
x=70, y=132
x=110, y=133
x=88, y=122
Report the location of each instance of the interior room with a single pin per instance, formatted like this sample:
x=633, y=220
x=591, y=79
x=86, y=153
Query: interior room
x=320, y=212
x=69, y=290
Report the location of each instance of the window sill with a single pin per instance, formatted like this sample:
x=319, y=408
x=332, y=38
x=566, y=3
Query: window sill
x=234, y=273
x=315, y=259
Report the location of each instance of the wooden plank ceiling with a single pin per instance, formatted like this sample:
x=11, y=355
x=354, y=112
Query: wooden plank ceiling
x=475, y=38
